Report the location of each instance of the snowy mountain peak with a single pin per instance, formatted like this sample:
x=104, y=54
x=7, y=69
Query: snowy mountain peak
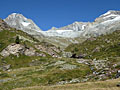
x=110, y=15
x=105, y=23
x=76, y=26
x=16, y=15
x=111, y=12
x=20, y=22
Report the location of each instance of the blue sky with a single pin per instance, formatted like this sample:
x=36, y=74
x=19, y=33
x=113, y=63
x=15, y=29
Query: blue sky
x=58, y=13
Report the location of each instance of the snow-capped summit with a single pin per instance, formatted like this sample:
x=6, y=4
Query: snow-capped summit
x=111, y=12
x=70, y=31
x=76, y=26
x=106, y=23
x=20, y=22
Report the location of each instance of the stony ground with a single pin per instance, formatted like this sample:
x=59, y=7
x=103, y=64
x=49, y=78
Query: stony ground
x=44, y=71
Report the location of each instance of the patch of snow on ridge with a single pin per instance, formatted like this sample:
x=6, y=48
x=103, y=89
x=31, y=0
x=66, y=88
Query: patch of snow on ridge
x=112, y=15
x=25, y=23
x=112, y=21
x=83, y=27
x=62, y=33
x=107, y=13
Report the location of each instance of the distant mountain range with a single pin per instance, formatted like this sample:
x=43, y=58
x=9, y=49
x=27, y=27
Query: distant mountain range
x=105, y=23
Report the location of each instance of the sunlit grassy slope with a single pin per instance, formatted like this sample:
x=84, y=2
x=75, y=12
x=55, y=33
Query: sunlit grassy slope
x=100, y=85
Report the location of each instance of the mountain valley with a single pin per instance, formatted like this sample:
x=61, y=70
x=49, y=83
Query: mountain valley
x=86, y=53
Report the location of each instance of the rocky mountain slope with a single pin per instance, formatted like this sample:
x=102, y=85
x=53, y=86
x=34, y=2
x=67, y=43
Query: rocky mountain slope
x=25, y=61
x=105, y=47
x=30, y=57
x=106, y=23
x=16, y=44
x=20, y=22
x=21, y=65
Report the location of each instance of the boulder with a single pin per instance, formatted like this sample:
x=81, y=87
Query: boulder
x=118, y=85
x=74, y=56
x=30, y=52
x=118, y=74
x=78, y=56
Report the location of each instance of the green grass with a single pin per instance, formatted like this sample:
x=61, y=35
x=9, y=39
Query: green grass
x=99, y=85
x=109, y=46
x=9, y=36
x=17, y=62
x=43, y=73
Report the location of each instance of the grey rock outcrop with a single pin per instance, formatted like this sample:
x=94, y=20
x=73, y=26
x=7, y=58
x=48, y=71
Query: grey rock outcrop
x=16, y=49
x=30, y=52
x=49, y=50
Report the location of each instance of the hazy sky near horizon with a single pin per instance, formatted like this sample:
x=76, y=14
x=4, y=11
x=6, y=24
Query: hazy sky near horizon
x=57, y=13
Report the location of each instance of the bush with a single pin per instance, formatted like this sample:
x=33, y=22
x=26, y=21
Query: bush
x=17, y=41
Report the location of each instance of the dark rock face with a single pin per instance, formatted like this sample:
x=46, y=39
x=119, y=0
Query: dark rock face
x=78, y=56
x=118, y=74
x=118, y=85
x=74, y=56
